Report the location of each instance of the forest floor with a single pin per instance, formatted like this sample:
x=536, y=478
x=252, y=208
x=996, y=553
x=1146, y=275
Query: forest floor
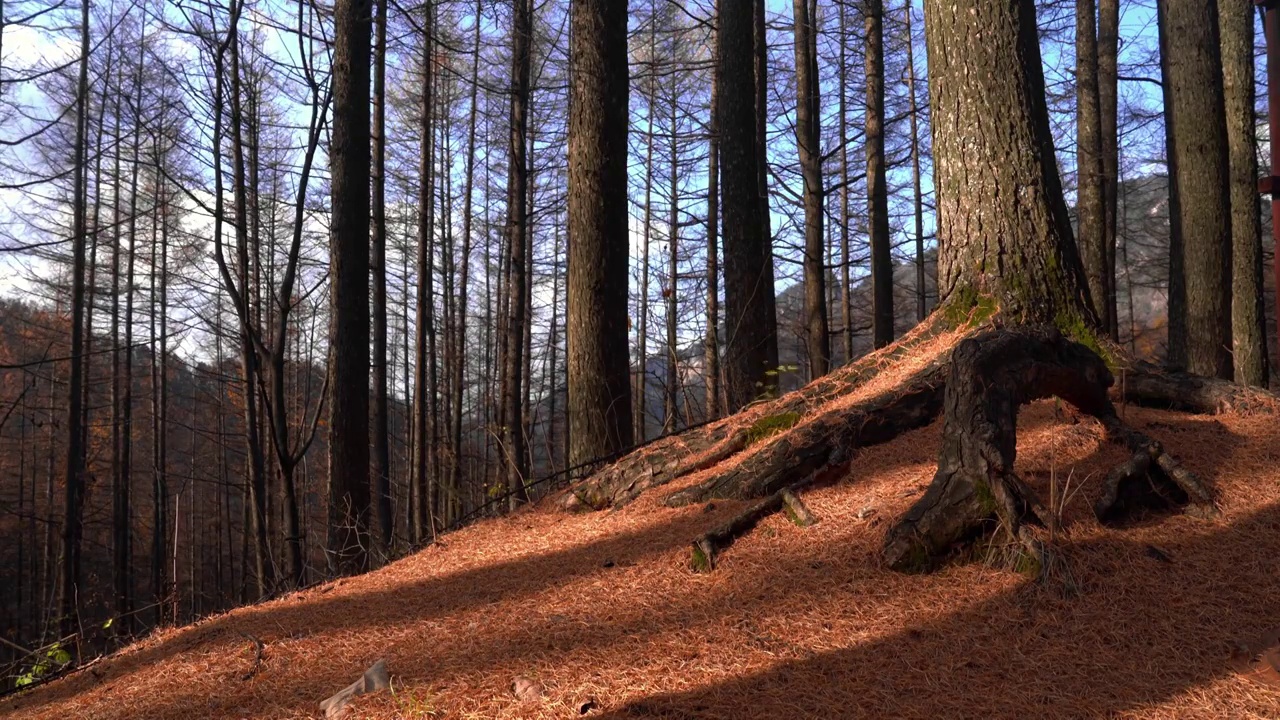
x=794, y=622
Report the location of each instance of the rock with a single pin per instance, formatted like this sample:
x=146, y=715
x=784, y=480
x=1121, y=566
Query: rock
x=373, y=680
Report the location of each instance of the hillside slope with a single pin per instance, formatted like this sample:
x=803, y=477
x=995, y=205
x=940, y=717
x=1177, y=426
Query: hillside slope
x=794, y=623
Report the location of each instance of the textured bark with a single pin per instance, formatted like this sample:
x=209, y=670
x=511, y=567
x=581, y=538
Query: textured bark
x=381, y=411
x=73, y=511
x=1177, y=339
x=711, y=369
x=1002, y=222
x=420, y=517
x=1200, y=146
x=916, y=194
x=599, y=391
x=808, y=144
x=349, y=296
x=877, y=185
x=1108, y=49
x=846, y=288
x=1248, y=317
x=751, y=350
x=1090, y=202
x=516, y=460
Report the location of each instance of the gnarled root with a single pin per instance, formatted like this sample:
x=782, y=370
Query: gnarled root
x=990, y=376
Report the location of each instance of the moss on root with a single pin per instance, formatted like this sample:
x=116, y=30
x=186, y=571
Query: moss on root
x=771, y=425
x=966, y=307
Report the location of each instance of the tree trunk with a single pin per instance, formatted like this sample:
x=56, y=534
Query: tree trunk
x=1200, y=146
x=1090, y=203
x=711, y=369
x=808, y=144
x=846, y=297
x=877, y=185
x=751, y=349
x=916, y=194
x=1248, y=316
x=1177, y=335
x=72, y=524
x=517, y=220
x=381, y=419
x=599, y=366
x=1108, y=49
x=420, y=470
x=1021, y=252
x=349, y=294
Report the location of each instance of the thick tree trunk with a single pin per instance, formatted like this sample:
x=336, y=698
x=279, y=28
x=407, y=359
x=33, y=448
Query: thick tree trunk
x=349, y=296
x=982, y=55
x=1248, y=317
x=877, y=185
x=1090, y=204
x=599, y=363
x=1177, y=333
x=751, y=349
x=808, y=143
x=1200, y=148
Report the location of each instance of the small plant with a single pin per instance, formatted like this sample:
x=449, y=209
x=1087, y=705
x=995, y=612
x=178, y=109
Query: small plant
x=54, y=658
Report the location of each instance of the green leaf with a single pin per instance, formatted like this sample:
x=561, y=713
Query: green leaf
x=107, y=624
x=60, y=656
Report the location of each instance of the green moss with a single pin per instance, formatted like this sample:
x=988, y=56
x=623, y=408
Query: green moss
x=1073, y=326
x=986, y=499
x=771, y=425
x=967, y=307
x=700, y=562
x=1028, y=564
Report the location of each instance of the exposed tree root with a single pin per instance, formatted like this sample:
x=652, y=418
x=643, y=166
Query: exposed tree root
x=826, y=442
x=707, y=547
x=1150, y=474
x=705, y=447
x=990, y=376
x=1152, y=386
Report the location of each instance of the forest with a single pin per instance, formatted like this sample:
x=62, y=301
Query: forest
x=331, y=326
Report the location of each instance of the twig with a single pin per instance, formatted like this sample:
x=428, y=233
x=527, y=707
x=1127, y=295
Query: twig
x=257, y=659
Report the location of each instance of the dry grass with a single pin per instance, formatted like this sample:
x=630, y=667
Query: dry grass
x=794, y=623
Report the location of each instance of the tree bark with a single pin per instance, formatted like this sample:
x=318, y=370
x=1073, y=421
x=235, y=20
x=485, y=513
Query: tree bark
x=711, y=369
x=381, y=411
x=982, y=55
x=349, y=294
x=751, y=349
x=808, y=144
x=517, y=220
x=1200, y=147
x=916, y=194
x=1248, y=316
x=1090, y=203
x=877, y=186
x=1108, y=50
x=599, y=363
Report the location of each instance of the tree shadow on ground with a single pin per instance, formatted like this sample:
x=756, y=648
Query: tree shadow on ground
x=1142, y=631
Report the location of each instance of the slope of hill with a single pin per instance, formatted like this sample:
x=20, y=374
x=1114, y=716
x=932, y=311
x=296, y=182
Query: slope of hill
x=795, y=622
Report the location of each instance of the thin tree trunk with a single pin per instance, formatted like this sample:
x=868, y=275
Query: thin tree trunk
x=1090, y=205
x=877, y=184
x=711, y=369
x=808, y=143
x=846, y=297
x=381, y=424
x=421, y=400
x=1108, y=49
x=1177, y=302
x=916, y=196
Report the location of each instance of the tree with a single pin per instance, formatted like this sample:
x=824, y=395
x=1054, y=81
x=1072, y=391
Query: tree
x=751, y=349
x=349, y=157
x=1090, y=204
x=877, y=184
x=711, y=370
x=516, y=460
x=599, y=392
x=1200, y=146
x=72, y=525
x=381, y=409
x=1248, y=316
x=808, y=132
x=1108, y=91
